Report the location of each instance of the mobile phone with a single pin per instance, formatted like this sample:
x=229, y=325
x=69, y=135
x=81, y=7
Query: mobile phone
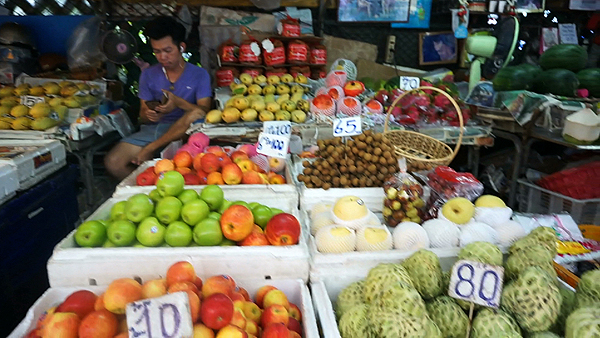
x=155, y=103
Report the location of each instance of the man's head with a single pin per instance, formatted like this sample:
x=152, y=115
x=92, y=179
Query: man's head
x=167, y=39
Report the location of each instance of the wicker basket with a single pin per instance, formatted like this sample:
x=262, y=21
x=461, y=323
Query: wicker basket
x=423, y=152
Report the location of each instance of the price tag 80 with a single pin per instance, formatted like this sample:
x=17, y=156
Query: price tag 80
x=409, y=82
x=476, y=282
x=281, y=128
x=273, y=145
x=348, y=126
x=166, y=316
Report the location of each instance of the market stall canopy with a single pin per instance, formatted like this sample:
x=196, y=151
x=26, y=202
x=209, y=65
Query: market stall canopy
x=241, y=3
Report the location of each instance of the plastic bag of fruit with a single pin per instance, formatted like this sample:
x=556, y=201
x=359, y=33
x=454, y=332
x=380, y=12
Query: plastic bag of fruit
x=446, y=183
x=404, y=198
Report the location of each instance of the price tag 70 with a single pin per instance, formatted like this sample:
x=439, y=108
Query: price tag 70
x=409, y=82
x=476, y=282
x=29, y=101
x=281, y=128
x=348, y=126
x=166, y=316
x=273, y=145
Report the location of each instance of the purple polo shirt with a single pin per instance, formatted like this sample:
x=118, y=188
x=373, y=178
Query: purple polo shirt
x=192, y=85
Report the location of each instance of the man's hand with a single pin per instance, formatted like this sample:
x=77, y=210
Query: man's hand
x=151, y=115
x=144, y=155
x=170, y=105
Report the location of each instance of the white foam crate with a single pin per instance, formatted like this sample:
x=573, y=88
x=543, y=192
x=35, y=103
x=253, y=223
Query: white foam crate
x=295, y=289
x=9, y=182
x=71, y=265
x=128, y=186
x=39, y=81
x=38, y=160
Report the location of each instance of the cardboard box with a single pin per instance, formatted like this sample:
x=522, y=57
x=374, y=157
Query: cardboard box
x=378, y=71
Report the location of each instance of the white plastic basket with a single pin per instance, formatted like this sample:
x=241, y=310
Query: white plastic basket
x=295, y=289
x=71, y=265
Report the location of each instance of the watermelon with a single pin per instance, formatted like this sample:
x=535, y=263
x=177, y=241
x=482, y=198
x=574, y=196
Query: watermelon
x=515, y=77
x=571, y=57
x=562, y=82
x=590, y=80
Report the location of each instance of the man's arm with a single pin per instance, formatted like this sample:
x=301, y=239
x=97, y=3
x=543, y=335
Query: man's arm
x=147, y=115
x=175, y=101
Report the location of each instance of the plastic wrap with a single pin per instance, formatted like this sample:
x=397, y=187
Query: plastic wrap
x=404, y=198
x=83, y=46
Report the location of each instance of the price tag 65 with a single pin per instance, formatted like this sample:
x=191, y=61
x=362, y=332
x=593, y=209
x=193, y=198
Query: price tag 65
x=409, y=82
x=348, y=126
x=281, y=128
x=29, y=101
x=166, y=316
x=273, y=145
x=476, y=282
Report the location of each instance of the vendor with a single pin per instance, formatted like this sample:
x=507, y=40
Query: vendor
x=189, y=98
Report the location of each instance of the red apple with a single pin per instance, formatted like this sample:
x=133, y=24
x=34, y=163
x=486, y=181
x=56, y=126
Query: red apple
x=276, y=164
x=237, y=222
x=276, y=330
x=231, y=331
x=246, y=165
x=215, y=150
x=191, y=179
x=238, y=319
x=163, y=165
x=61, y=325
x=295, y=326
x=210, y=163
x=238, y=156
x=294, y=334
x=181, y=272
x=202, y=176
x=295, y=312
x=255, y=239
x=80, y=302
x=146, y=178
x=196, y=162
x=236, y=296
x=154, y=288
x=182, y=286
x=283, y=229
x=252, y=311
x=203, y=331
x=183, y=159
x=232, y=174
x=149, y=169
x=35, y=333
x=216, y=311
x=274, y=297
x=274, y=314
x=251, y=327
x=244, y=293
x=252, y=177
x=99, y=304
x=99, y=324
x=198, y=283
x=195, y=304
x=121, y=292
x=215, y=178
x=224, y=160
x=261, y=292
x=218, y=284
x=183, y=170
x=276, y=179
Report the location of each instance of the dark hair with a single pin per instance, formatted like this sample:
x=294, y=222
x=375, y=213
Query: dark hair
x=164, y=26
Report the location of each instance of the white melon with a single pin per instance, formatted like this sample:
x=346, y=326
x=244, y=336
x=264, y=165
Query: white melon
x=410, y=236
x=373, y=238
x=322, y=220
x=319, y=208
x=349, y=208
x=335, y=239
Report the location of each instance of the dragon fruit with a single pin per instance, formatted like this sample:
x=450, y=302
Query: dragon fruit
x=441, y=101
x=427, y=84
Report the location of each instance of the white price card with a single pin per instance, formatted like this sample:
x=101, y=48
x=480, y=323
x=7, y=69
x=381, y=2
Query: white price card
x=476, y=282
x=273, y=145
x=281, y=128
x=168, y=316
x=409, y=82
x=347, y=126
x=29, y=101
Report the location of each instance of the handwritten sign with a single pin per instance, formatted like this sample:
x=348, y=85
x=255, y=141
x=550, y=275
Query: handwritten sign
x=166, y=316
x=348, y=126
x=280, y=128
x=476, y=282
x=29, y=100
x=273, y=145
x=409, y=82
x=568, y=33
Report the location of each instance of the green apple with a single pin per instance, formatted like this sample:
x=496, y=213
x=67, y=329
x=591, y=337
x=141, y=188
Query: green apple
x=137, y=244
x=214, y=215
x=224, y=206
x=170, y=183
x=117, y=211
x=178, y=234
x=121, y=232
x=90, y=234
x=168, y=209
x=242, y=203
x=155, y=196
x=208, y=232
x=213, y=196
x=188, y=195
x=108, y=244
x=150, y=232
x=227, y=242
x=276, y=211
x=262, y=214
x=138, y=207
x=253, y=205
x=104, y=222
x=194, y=211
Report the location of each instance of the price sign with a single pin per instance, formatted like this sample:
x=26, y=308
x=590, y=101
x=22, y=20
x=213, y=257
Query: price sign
x=476, y=282
x=409, y=82
x=280, y=128
x=273, y=145
x=29, y=100
x=166, y=316
x=348, y=126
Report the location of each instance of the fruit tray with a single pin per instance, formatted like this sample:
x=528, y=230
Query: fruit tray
x=9, y=182
x=71, y=265
x=295, y=289
x=128, y=186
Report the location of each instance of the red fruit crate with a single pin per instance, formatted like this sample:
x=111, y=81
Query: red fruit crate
x=582, y=182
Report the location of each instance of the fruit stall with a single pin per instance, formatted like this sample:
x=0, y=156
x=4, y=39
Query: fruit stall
x=322, y=194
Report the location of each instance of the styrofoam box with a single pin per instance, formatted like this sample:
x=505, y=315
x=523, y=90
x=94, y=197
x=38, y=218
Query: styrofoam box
x=9, y=182
x=40, y=158
x=325, y=291
x=295, y=289
x=71, y=265
x=38, y=81
x=129, y=186
x=28, y=134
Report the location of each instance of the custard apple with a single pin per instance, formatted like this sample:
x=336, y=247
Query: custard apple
x=425, y=271
x=390, y=324
x=494, y=323
x=445, y=282
x=583, y=323
x=400, y=298
x=588, y=289
x=449, y=317
x=383, y=275
x=529, y=241
x=544, y=334
x=546, y=235
x=536, y=255
x=533, y=298
x=483, y=252
x=354, y=323
x=432, y=330
x=348, y=297
x=568, y=304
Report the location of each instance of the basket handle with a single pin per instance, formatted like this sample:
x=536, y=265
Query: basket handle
x=458, y=110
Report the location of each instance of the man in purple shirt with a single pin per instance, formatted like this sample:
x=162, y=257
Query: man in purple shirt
x=189, y=98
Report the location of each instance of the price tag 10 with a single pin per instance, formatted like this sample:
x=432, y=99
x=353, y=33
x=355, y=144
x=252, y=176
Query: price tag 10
x=29, y=101
x=280, y=128
x=273, y=145
x=166, y=316
x=347, y=126
x=476, y=282
x=409, y=82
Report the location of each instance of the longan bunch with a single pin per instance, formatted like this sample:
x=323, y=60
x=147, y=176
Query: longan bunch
x=365, y=160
